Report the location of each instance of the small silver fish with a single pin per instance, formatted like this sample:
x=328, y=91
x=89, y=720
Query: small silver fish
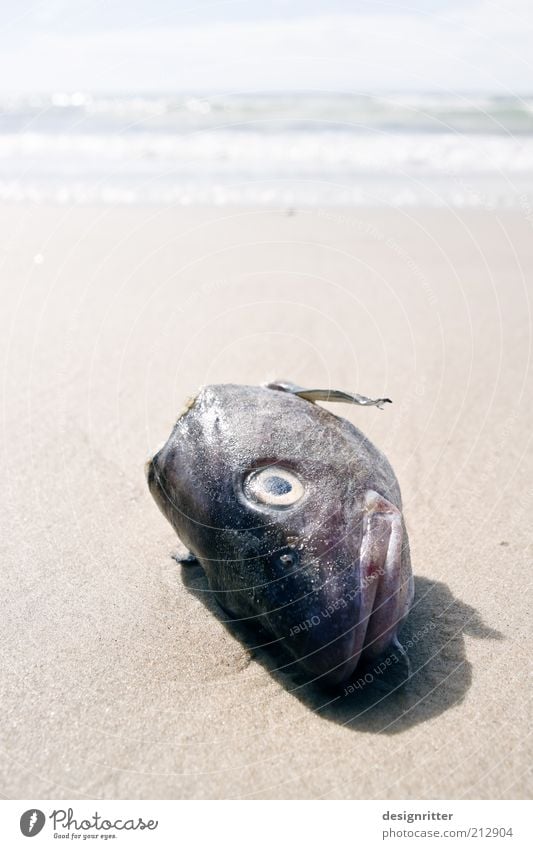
x=295, y=517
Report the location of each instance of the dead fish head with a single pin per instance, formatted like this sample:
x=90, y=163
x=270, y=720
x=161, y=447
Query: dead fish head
x=296, y=519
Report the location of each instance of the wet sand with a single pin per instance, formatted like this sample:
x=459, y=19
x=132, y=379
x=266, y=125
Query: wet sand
x=120, y=678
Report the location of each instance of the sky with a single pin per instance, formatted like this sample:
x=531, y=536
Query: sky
x=142, y=46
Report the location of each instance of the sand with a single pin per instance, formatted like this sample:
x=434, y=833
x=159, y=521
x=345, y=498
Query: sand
x=119, y=677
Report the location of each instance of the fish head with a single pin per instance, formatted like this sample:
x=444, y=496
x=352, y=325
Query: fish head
x=295, y=518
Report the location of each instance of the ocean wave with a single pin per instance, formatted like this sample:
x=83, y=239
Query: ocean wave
x=185, y=113
x=288, y=150
x=281, y=153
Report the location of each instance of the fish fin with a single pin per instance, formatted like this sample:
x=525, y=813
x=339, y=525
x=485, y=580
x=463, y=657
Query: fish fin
x=188, y=559
x=328, y=395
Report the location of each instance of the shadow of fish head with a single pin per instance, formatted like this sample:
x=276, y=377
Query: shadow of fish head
x=296, y=520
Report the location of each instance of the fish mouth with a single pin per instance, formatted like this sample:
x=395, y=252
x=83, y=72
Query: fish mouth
x=382, y=599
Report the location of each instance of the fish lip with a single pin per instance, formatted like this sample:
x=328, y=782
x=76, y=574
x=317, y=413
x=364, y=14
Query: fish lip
x=149, y=463
x=148, y=468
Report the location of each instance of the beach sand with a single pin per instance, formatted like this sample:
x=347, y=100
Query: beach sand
x=120, y=679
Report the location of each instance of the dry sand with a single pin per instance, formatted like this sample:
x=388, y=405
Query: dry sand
x=118, y=681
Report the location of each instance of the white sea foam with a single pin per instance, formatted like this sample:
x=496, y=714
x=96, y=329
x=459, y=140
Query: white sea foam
x=295, y=150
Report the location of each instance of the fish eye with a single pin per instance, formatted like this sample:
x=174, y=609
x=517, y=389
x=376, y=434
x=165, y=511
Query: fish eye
x=288, y=558
x=274, y=486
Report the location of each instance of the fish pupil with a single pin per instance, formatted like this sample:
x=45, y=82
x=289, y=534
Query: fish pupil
x=287, y=559
x=277, y=486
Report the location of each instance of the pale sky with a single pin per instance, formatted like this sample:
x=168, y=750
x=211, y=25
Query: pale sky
x=277, y=45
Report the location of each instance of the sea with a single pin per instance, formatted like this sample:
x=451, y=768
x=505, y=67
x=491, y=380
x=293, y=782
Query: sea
x=279, y=150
